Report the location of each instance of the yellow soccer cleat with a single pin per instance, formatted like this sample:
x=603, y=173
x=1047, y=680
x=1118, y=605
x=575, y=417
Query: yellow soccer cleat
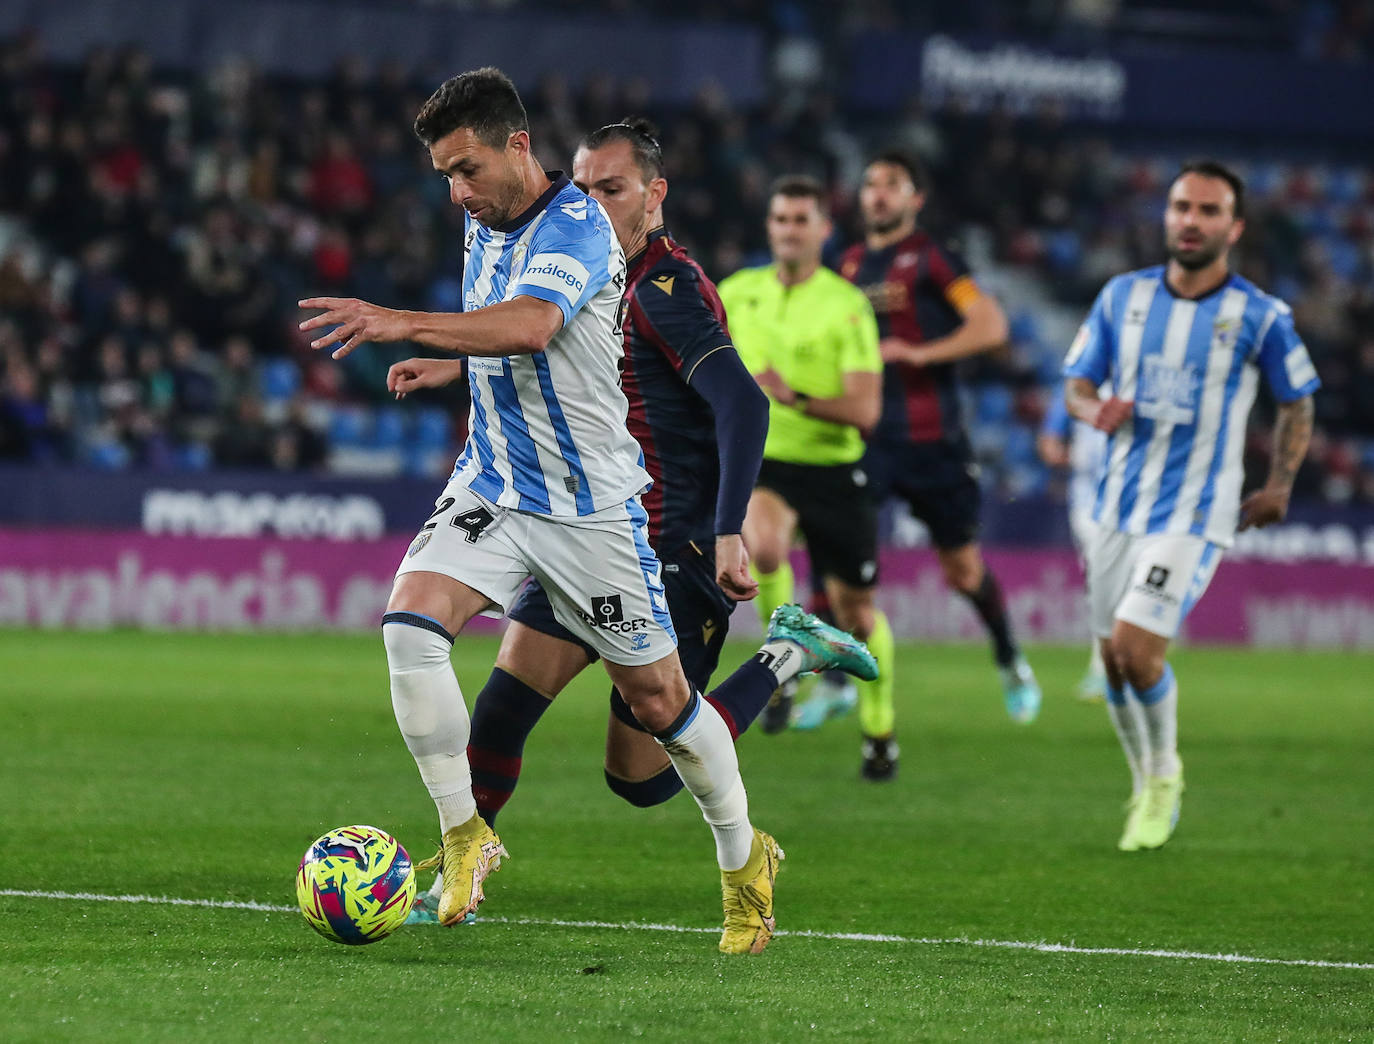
x=1159, y=816
x=748, y=894
x=1134, y=805
x=470, y=852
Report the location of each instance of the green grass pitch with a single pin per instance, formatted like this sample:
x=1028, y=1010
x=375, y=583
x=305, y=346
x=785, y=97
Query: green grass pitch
x=200, y=767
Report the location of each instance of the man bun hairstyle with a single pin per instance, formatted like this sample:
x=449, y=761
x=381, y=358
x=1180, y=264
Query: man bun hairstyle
x=640, y=134
x=1209, y=168
x=482, y=100
x=915, y=169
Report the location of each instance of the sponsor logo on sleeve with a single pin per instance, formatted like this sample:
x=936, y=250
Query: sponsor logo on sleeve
x=559, y=272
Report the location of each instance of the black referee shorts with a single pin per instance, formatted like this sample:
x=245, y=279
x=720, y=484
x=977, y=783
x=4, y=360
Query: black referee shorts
x=938, y=480
x=836, y=514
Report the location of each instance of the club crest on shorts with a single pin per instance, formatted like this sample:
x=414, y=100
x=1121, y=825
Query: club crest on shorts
x=418, y=544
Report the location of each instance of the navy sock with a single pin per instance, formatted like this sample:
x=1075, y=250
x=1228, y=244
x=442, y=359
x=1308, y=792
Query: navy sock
x=741, y=697
x=987, y=599
x=646, y=793
x=503, y=716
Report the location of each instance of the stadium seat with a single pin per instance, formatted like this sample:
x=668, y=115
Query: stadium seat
x=280, y=380
x=994, y=404
x=433, y=428
x=388, y=428
x=109, y=456
x=194, y=456
x=349, y=426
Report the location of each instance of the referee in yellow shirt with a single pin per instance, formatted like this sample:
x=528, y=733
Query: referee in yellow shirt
x=811, y=340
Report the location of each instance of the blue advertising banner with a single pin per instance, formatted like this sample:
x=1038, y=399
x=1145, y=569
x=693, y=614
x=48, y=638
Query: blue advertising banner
x=1178, y=89
x=676, y=57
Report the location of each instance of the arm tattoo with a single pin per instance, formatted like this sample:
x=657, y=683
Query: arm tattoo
x=1292, y=432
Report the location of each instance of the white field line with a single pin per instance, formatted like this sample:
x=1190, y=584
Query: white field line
x=992, y=944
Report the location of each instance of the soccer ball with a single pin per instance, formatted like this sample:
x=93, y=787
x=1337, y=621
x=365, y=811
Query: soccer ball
x=355, y=885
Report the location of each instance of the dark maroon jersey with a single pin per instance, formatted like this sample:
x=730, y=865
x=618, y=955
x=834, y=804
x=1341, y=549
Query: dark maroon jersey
x=673, y=320
x=919, y=291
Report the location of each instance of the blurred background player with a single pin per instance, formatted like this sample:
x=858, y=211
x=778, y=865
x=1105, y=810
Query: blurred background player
x=930, y=315
x=1183, y=346
x=1067, y=444
x=701, y=421
x=811, y=342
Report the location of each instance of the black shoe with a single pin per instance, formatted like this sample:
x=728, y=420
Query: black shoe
x=880, y=759
x=777, y=713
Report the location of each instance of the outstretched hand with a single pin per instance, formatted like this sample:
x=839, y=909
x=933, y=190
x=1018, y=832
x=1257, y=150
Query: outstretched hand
x=354, y=322
x=732, y=568
x=411, y=375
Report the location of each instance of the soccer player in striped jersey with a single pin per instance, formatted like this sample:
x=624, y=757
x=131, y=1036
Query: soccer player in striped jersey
x=1182, y=347
x=701, y=421
x=1067, y=443
x=547, y=486
x=931, y=313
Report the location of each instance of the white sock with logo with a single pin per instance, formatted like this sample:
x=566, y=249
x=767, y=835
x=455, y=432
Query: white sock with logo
x=1128, y=718
x=702, y=752
x=430, y=711
x=786, y=659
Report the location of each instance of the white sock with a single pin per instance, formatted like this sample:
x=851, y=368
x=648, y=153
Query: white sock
x=703, y=754
x=430, y=712
x=786, y=659
x=1159, y=704
x=1129, y=721
x=1096, y=668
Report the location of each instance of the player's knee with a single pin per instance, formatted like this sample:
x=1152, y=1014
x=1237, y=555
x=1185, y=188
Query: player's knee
x=414, y=642
x=767, y=559
x=654, y=704
x=645, y=793
x=1139, y=665
x=962, y=572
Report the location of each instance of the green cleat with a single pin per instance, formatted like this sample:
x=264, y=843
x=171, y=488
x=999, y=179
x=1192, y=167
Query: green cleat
x=822, y=646
x=1134, y=804
x=1159, y=812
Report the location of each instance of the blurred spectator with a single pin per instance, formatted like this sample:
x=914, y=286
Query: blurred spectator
x=156, y=231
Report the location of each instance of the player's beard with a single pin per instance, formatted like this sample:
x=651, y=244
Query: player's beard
x=1198, y=257
x=883, y=226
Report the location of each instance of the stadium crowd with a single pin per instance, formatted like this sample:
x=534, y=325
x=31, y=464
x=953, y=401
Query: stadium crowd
x=156, y=231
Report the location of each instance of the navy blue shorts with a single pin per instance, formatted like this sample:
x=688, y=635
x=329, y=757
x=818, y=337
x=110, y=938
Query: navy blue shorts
x=939, y=481
x=700, y=612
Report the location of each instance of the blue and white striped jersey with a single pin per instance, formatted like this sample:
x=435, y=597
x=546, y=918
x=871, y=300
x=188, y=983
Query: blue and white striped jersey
x=1087, y=447
x=547, y=431
x=1191, y=368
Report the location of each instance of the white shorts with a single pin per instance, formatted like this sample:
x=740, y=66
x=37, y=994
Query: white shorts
x=1150, y=581
x=602, y=578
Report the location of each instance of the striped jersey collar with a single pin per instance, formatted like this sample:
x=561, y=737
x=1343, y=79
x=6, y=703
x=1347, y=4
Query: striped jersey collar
x=559, y=181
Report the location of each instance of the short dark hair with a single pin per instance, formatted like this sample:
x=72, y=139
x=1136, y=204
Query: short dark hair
x=642, y=137
x=1209, y=168
x=483, y=100
x=801, y=186
x=915, y=169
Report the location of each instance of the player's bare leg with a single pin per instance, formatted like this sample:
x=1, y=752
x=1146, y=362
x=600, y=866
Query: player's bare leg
x=768, y=531
x=1138, y=658
x=966, y=572
x=855, y=611
x=424, y=614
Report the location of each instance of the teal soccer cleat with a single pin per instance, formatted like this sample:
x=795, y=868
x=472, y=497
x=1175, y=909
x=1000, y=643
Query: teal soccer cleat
x=823, y=646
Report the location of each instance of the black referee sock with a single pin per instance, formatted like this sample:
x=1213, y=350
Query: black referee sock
x=987, y=599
